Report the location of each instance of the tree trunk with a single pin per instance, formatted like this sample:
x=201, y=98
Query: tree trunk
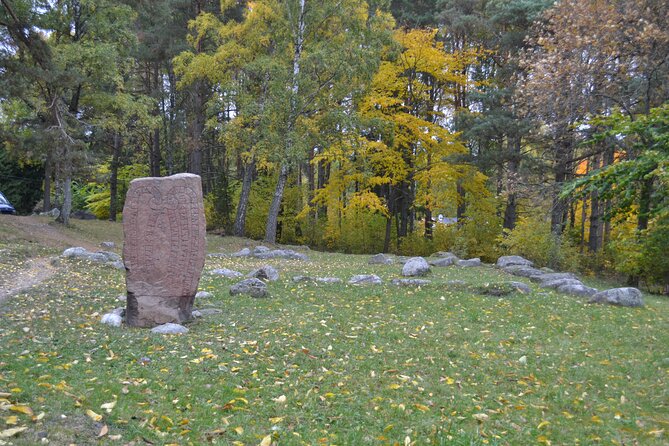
x=560, y=171
x=239, y=228
x=64, y=217
x=48, y=168
x=595, y=237
x=275, y=206
x=511, y=209
x=113, y=180
x=389, y=219
x=273, y=217
x=195, y=155
x=154, y=155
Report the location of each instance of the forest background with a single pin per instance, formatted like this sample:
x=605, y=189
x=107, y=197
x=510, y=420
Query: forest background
x=532, y=127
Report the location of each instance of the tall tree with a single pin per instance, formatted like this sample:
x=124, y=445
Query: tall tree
x=58, y=54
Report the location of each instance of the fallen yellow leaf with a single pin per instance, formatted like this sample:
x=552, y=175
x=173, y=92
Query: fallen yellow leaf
x=93, y=416
x=12, y=420
x=421, y=407
x=267, y=441
x=21, y=409
x=11, y=432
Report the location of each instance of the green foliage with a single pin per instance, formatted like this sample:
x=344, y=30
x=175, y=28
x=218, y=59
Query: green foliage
x=361, y=231
x=258, y=208
x=654, y=261
x=532, y=238
x=645, y=166
x=98, y=204
x=482, y=226
x=416, y=244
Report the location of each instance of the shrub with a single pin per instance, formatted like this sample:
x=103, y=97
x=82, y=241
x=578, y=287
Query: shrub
x=532, y=238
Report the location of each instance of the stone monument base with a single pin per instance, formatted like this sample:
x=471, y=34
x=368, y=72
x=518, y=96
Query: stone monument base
x=149, y=311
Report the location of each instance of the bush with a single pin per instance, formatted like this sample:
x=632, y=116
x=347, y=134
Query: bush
x=479, y=233
x=532, y=238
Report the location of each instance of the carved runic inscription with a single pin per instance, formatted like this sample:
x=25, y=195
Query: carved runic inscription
x=164, y=249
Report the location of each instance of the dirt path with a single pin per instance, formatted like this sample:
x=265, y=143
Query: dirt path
x=36, y=230
x=38, y=270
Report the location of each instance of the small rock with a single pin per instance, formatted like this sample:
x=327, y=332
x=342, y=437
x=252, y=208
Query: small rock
x=469, y=262
x=505, y=261
x=252, y=287
x=556, y=283
x=503, y=288
x=624, y=297
x=443, y=261
x=245, y=252
x=522, y=271
x=545, y=277
x=522, y=360
x=122, y=298
x=119, y=311
x=169, y=328
x=410, y=282
x=260, y=250
x=365, y=279
x=265, y=272
x=446, y=255
x=416, y=266
x=281, y=254
x=108, y=245
x=328, y=279
x=380, y=259
x=75, y=252
x=110, y=256
x=229, y=273
x=298, y=279
x=112, y=319
x=577, y=290
x=118, y=265
x=198, y=313
x=521, y=287
x=203, y=295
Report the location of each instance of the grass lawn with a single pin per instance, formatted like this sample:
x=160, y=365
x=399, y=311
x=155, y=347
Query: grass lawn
x=327, y=363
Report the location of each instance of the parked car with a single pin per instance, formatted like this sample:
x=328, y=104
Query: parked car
x=5, y=206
